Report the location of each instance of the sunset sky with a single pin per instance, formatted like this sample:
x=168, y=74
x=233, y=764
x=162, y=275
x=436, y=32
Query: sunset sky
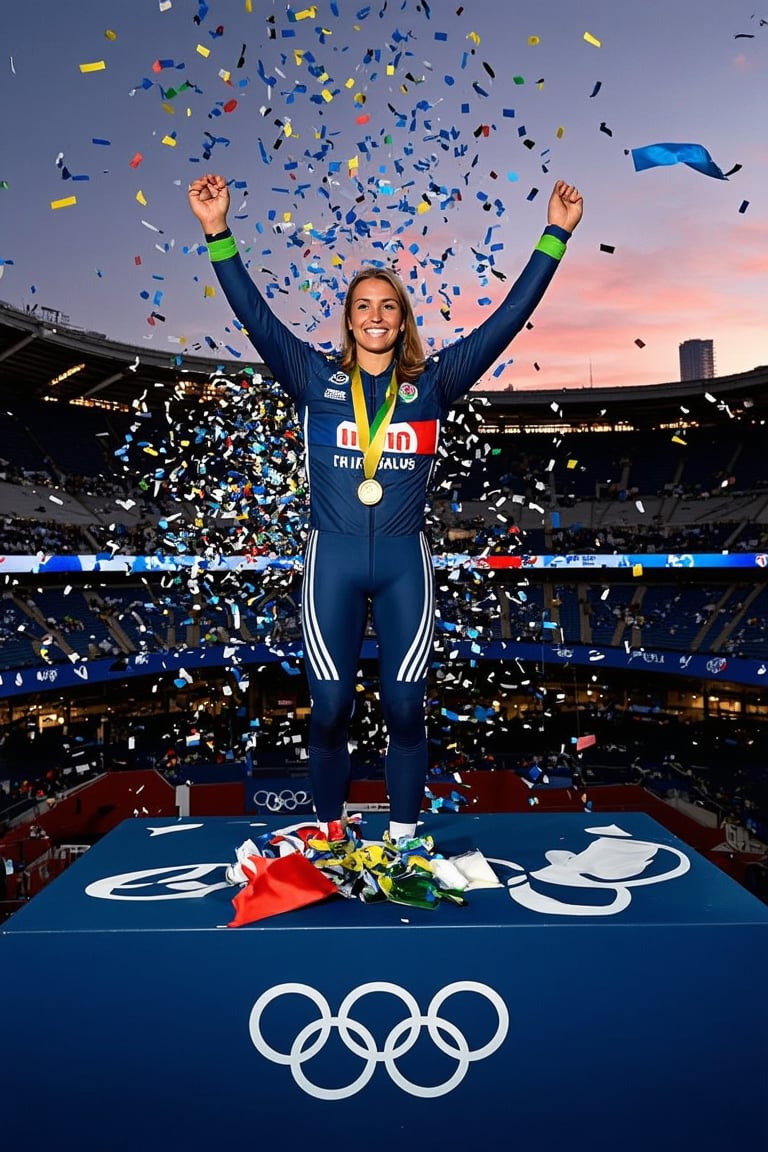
x=379, y=132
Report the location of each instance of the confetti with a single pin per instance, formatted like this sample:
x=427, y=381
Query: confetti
x=95, y=66
x=590, y=39
x=66, y=202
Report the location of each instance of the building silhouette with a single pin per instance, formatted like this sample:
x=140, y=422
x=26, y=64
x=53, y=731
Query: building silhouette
x=697, y=360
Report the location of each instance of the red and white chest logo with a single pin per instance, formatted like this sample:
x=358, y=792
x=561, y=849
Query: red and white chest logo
x=418, y=438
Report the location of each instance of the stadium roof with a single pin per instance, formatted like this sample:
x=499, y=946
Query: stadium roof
x=42, y=355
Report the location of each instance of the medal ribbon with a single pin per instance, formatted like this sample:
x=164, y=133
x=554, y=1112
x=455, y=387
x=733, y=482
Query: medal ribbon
x=371, y=439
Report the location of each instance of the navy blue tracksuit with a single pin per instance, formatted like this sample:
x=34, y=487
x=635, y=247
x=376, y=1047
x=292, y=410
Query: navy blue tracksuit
x=358, y=554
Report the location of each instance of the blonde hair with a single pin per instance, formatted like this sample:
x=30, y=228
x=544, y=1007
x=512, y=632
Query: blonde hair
x=409, y=352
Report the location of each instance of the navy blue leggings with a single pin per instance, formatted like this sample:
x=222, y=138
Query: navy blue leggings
x=342, y=575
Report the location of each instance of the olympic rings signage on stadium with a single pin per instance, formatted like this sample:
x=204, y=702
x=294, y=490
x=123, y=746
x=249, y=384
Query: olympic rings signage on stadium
x=310, y=1040
x=287, y=800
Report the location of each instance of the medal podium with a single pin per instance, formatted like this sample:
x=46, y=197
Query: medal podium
x=608, y=993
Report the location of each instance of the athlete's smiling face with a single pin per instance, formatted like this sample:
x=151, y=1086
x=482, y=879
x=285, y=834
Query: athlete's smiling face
x=376, y=321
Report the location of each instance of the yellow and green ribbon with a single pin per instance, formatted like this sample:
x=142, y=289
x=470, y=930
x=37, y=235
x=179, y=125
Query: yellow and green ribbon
x=370, y=438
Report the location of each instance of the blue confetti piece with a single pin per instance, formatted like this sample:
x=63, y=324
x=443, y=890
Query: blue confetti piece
x=694, y=155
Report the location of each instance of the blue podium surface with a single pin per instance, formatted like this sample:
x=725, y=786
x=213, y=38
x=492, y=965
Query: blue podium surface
x=609, y=993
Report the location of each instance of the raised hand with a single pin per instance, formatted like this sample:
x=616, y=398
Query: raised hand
x=209, y=201
x=565, y=206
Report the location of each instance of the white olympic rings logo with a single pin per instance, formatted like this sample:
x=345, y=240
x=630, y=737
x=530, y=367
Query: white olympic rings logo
x=285, y=801
x=359, y=1040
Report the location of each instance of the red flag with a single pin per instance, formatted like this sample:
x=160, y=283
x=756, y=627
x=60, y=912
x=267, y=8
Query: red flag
x=279, y=885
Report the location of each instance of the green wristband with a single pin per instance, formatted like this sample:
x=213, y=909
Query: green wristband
x=222, y=249
x=549, y=244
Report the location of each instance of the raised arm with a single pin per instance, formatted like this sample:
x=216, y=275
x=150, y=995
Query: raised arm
x=464, y=362
x=285, y=353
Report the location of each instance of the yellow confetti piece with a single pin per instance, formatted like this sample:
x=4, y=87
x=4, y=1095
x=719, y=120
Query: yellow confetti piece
x=423, y=207
x=590, y=39
x=298, y=56
x=337, y=261
x=349, y=83
x=202, y=50
x=637, y=569
x=96, y=66
x=169, y=108
x=169, y=140
x=678, y=440
x=572, y=463
x=326, y=95
x=209, y=291
x=67, y=202
x=560, y=133
x=287, y=129
x=110, y=35
x=306, y=14
x=287, y=217
x=141, y=198
x=151, y=451
x=473, y=36
x=360, y=98
x=390, y=69
x=249, y=5
x=225, y=75
x=352, y=163
x=534, y=40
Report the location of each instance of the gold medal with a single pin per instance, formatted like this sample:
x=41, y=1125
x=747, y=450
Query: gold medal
x=370, y=491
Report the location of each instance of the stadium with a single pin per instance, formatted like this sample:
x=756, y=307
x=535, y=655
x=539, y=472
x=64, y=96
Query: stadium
x=601, y=621
x=597, y=684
